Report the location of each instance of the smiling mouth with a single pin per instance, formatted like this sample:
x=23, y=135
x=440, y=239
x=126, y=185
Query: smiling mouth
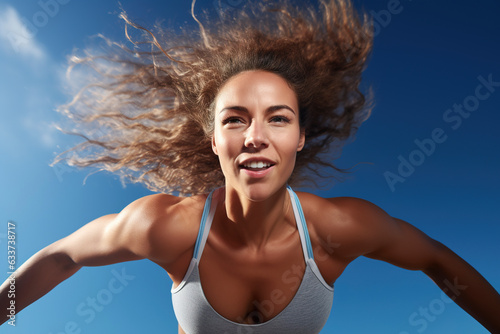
x=256, y=166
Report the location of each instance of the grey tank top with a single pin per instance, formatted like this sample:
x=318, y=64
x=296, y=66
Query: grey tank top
x=307, y=312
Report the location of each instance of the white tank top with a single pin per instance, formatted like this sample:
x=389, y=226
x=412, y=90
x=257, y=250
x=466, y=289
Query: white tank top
x=307, y=312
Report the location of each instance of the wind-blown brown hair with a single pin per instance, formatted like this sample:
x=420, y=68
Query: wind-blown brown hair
x=147, y=112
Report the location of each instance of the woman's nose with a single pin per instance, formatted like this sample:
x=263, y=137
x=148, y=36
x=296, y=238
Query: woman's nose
x=256, y=136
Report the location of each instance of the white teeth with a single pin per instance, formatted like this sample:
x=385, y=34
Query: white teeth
x=257, y=164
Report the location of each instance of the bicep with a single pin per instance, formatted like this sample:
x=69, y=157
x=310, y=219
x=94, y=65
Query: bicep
x=100, y=242
x=147, y=228
x=361, y=228
x=405, y=246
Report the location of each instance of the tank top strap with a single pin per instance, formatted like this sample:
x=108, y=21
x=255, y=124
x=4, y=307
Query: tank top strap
x=301, y=225
x=209, y=212
x=205, y=224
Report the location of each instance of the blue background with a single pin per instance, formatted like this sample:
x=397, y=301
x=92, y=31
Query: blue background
x=427, y=57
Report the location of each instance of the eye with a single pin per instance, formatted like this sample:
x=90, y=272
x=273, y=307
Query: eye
x=232, y=120
x=280, y=119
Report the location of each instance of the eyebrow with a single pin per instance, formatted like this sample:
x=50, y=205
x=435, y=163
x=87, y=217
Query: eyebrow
x=268, y=110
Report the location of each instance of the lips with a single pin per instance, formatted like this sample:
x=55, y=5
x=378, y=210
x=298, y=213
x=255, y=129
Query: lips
x=256, y=168
x=256, y=164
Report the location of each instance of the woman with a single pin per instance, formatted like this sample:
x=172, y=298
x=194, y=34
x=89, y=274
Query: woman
x=232, y=120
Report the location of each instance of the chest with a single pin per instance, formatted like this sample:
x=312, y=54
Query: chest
x=251, y=287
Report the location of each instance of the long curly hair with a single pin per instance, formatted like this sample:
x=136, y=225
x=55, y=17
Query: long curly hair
x=146, y=111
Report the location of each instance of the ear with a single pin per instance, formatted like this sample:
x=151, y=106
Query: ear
x=214, y=146
x=302, y=140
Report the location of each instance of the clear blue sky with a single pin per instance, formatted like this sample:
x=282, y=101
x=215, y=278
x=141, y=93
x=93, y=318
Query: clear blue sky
x=428, y=57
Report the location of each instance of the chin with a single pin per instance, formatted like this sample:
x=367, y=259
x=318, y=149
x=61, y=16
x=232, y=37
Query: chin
x=259, y=192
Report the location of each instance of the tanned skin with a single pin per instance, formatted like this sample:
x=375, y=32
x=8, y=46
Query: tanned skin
x=253, y=248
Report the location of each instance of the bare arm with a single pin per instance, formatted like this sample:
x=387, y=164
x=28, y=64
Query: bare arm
x=463, y=284
x=130, y=235
x=410, y=248
x=382, y=237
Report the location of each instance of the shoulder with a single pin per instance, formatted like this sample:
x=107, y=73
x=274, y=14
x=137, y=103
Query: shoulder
x=356, y=226
x=349, y=212
x=152, y=208
x=161, y=227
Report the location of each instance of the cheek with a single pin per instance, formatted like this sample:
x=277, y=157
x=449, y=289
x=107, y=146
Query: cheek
x=221, y=144
x=292, y=153
x=293, y=141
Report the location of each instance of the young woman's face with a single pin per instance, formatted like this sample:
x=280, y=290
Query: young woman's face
x=257, y=133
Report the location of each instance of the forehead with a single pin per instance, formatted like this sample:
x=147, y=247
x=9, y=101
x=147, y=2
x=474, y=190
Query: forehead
x=256, y=86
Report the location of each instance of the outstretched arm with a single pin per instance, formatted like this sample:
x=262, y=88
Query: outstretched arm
x=133, y=234
x=463, y=284
x=90, y=245
x=407, y=247
x=375, y=234
x=32, y=279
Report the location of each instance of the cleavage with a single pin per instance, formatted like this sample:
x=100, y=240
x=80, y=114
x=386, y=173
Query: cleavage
x=251, y=289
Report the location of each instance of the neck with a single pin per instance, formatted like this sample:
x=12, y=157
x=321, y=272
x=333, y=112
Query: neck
x=254, y=224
